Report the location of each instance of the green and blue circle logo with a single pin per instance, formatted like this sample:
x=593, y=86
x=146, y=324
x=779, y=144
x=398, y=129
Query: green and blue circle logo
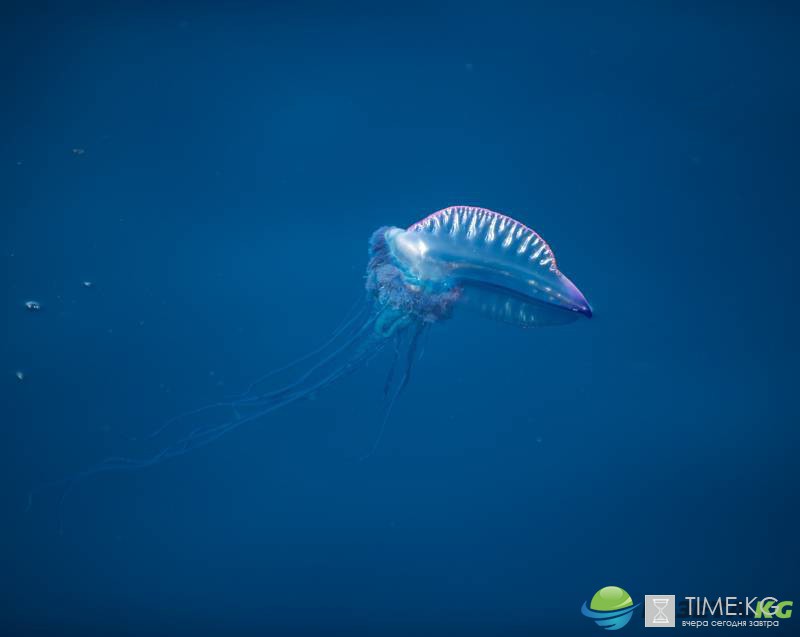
x=611, y=608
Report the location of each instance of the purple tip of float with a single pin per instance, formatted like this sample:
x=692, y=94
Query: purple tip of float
x=576, y=298
x=584, y=309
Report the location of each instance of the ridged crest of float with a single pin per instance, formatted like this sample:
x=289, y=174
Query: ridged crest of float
x=492, y=229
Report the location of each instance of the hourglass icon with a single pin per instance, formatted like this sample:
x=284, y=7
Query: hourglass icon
x=659, y=611
x=660, y=603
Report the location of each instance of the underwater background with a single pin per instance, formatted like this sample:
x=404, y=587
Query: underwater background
x=214, y=170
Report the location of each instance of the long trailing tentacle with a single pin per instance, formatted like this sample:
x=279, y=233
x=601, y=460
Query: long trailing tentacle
x=356, y=316
x=417, y=332
x=350, y=355
x=353, y=345
x=364, y=333
x=393, y=367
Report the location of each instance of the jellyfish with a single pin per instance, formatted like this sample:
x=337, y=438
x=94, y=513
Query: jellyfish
x=459, y=258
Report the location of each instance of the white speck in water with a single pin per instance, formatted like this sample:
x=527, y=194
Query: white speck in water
x=78, y=151
x=20, y=375
x=33, y=306
x=538, y=439
x=87, y=284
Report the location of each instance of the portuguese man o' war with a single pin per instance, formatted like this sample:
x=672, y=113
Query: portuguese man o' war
x=458, y=257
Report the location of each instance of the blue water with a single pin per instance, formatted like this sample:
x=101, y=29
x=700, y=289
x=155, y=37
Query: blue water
x=235, y=161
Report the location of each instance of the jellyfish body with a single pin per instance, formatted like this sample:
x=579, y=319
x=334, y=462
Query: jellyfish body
x=459, y=257
x=501, y=267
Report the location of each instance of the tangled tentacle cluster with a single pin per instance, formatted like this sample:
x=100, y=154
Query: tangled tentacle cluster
x=391, y=288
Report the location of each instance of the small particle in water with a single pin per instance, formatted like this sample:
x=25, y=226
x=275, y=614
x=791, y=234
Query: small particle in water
x=78, y=151
x=33, y=306
x=20, y=375
x=539, y=439
x=87, y=284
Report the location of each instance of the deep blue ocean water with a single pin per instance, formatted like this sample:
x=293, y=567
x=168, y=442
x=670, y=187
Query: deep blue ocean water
x=215, y=172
